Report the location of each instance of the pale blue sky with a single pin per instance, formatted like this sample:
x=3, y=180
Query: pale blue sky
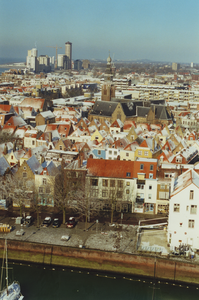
x=164, y=30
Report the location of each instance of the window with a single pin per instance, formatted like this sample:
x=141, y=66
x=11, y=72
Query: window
x=162, y=186
x=47, y=190
x=60, y=147
x=128, y=174
x=150, y=176
x=187, y=208
x=149, y=196
x=94, y=182
x=110, y=152
x=115, y=152
x=176, y=207
x=127, y=154
x=193, y=209
x=191, y=223
x=191, y=195
x=33, y=142
x=127, y=191
x=24, y=174
x=150, y=187
x=151, y=167
x=112, y=183
x=24, y=168
x=119, y=194
x=41, y=190
x=105, y=182
x=178, y=159
x=128, y=183
x=164, y=195
x=145, y=153
x=44, y=181
x=139, y=152
x=94, y=193
x=140, y=186
x=180, y=224
x=141, y=167
x=120, y=183
x=99, y=152
x=104, y=193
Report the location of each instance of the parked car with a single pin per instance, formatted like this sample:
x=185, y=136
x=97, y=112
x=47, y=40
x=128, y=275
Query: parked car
x=46, y=222
x=56, y=223
x=71, y=223
x=28, y=221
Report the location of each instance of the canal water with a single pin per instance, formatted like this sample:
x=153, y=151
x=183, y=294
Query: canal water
x=47, y=283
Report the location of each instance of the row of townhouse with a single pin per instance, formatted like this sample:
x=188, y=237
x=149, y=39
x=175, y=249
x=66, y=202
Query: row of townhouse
x=131, y=186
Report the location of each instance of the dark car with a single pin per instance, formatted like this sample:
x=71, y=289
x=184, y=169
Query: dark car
x=46, y=222
x=56, y=223
x=71, y=223
x=28, y=221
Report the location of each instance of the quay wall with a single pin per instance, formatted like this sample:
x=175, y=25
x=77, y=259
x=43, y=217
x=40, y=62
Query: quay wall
x=155, y=267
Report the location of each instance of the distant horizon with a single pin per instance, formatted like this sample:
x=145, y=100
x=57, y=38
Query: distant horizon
x=162, y=31
x=6, y=60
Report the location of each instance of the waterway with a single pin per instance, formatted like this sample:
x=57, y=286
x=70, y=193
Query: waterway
x=48, y=283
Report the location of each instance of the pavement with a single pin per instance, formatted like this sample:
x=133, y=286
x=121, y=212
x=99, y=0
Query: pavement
x=119, y=238
x=100, y=236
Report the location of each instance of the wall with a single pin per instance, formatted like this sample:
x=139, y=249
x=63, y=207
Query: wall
x=104, y=261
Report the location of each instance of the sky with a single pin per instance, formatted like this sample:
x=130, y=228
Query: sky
x=158, y=30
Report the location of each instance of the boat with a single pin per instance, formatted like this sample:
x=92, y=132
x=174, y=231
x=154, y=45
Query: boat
x=11, y=291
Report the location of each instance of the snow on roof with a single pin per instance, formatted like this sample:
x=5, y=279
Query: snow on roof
x=184, y=180
x=47, y=114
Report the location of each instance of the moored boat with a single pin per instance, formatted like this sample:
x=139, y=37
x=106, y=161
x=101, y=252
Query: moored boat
x=11, y=291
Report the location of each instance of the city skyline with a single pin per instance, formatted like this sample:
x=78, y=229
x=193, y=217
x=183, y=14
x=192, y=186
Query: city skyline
x=155, y=30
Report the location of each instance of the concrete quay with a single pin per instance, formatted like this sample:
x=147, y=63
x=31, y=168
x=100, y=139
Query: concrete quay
x=101, y=247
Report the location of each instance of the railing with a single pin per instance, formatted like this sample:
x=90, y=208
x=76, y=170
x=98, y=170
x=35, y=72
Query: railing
x=151, y=249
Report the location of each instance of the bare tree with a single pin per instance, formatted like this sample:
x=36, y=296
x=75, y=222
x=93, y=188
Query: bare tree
x=36, y=204
x=6, y=184
x=6, y=137
x=84, y=204
x=22, y=192
x=63, y=190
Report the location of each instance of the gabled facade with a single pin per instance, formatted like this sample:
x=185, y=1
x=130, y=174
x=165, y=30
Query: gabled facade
x=183, y=223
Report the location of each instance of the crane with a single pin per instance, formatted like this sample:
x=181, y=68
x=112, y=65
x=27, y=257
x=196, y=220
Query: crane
x=56, y=54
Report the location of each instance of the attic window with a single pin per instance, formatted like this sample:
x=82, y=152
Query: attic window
x=128, y=174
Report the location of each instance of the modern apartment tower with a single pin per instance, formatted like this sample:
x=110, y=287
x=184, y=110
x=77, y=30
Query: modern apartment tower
x=68, y=52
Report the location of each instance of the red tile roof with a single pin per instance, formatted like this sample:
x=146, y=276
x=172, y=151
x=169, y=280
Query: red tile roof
x=110, y=168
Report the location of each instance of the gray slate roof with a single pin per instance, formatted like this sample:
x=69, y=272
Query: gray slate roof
x=104, y=108
x=4, y=165
x=34, y=165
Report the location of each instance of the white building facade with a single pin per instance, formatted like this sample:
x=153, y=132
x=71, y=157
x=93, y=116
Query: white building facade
x=183, y=223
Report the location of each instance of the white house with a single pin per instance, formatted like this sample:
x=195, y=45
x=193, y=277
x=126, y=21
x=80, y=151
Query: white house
x=183, y=223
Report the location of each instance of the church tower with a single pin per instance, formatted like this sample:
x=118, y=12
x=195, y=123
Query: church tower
x=108, y=88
